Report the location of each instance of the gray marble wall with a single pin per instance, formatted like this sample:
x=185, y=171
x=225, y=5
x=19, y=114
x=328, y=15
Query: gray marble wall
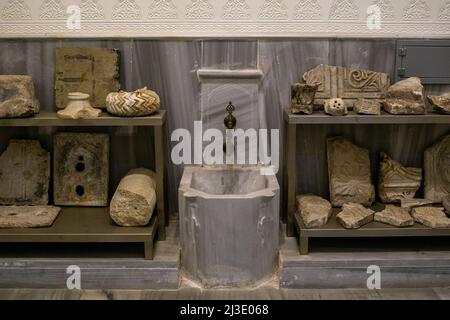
x=169, y=68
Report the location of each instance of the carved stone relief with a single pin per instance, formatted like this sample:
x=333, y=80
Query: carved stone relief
x=236, y=9
x=273, y=10
x=199, y=9
x=354, y=216
x=386, y=8
x=437, y=170
x=91, y=10
x=344, y=10
x=417, y=10
x=395, y=216
x=432, y=217
x=15, y=10
x=126, y=10
x=307, y=9
x=52, y=9
x=162, y=9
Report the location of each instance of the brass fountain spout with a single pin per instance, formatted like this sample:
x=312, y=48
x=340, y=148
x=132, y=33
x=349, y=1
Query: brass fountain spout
x=230, y=123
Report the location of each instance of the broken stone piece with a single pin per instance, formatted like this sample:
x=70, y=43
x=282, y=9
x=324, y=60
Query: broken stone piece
x=302, y=98
x=81, y=170
x=366, y=106
x=394, y=216
x=17, y=97
x=432, y=217
x=437, y=170
x=335, y=107
x=409, y=203
x=24, y=173
x=354, y=216
x=405, y=97
x=27, y=216
x=134, y=200
x=396, y=181
x=142, y=102
x=446, y=204
x=314, y=210
x=349, y=173
x=78, y=107
x=441, y=103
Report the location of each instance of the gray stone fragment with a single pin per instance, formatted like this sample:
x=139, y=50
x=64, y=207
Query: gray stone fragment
x=302, y=98
x=17, y=97
x=366, y=106
x=135, y=198
x=437, y=170
x=314, y=210
x=441, y=103
x=394, y=216
x=432, y=217
x=354, y=216
x=27, y=216
x=24, y=174
x=405, y=97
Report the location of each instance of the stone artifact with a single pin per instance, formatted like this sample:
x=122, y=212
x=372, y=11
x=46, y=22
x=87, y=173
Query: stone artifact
x=27, y=216
x=135, y=198
x=302, y=98
x=335, y=107
x=314, y=210
x=349, y=173
x=409, y=203
x=394, y=216
x=94, y=71
x=354, y=216
x=440, y=104
x=446, y=204
x=78, y=107
x=81, y=170
x=347, y=83
x=437, y=170
x=24, y=174
x=366, y=106
x=431, y=217
x=396, y=181
x=405, y=97
x=142, y=102
x=17, y=97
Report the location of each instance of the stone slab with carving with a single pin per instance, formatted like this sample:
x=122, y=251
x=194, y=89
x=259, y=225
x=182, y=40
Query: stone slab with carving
x=27, y=216
x=135, y=198
x=432, y=217
x=441, y=103
x=94, y=71
x=349, y=173
x=437, y=170
x=395, y=216
x=17, y=97
x=24, y=173
x=348, y=84
x=405, y=97
x=314, y=210
x=367, y=106
x=78, y=107
x=397, y=182
x=142, y=102
x=410, y=203
x=302, y=98
x=335, y=107
x=81, y=175
x=354, y=216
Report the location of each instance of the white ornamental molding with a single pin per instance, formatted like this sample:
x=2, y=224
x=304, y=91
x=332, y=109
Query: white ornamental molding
x=225, y=18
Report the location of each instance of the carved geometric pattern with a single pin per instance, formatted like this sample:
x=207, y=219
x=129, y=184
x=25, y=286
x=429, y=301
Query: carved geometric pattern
x=199, y=9
x=15, y=10
x=445, y=11
x=344, y=10
x=91, y=10
x=417, y=10
x=126, y=10
x=236, y=9
x=386, y=8
x=307, y=9
x=52, y=10
x=162, y=9
x=273, y=10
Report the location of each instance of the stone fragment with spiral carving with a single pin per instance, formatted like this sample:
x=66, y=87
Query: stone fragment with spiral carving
x=142, y=102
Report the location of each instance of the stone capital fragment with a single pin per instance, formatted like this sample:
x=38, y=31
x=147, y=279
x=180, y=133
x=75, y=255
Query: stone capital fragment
x=354, y=216
x=314, y=210
x=405, y=97
x=302, y=98
x=394, y=216
x=78, y=107
x=432, y=217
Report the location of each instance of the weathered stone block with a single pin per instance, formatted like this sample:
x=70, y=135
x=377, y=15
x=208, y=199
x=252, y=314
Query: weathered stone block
x=405, y=97
x=441, y=103
x=437, y=170
x=24, y=174
x=314, y=210
x=394, y=216
x=366, y=106
x=302, y=98
x=409, y=203
x=17, y=97
x=81, y=169
x=335, y=107
x=354, y=216
x=27, y=216
x=431, y=217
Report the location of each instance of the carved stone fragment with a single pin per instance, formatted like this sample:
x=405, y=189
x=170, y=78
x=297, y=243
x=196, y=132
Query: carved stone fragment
x=24, y=174
x=347, y=83
x=409, y=203
x=441, y=103
x=78, y=107
x=394, y=216
x=335, y=107
x=431, y=217
x=142, y=102
x=17, y=97
x=27, y=216
x=446, y=204
x=366, y=106
x=135, y=198
x=302, y=98
x=314, y=210
x=354, y=216
x=81, y=170
x=405, y=97
x=437, y=170
x=397, y=182
x=349, y=173
x=94, y=71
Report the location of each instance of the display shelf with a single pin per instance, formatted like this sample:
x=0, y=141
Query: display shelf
x=85, y=225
